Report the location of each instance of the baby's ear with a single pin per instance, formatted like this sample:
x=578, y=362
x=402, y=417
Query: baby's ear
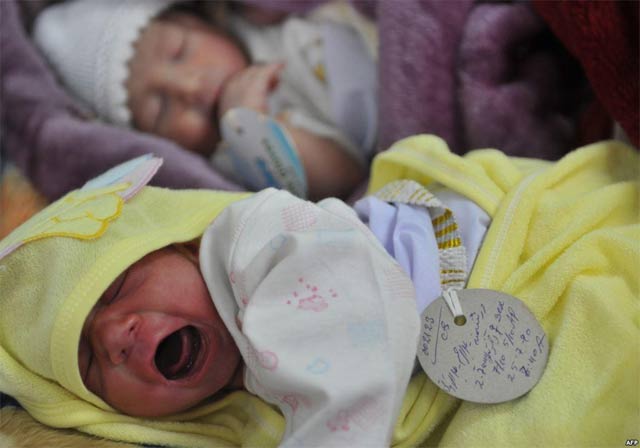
x=190, y=250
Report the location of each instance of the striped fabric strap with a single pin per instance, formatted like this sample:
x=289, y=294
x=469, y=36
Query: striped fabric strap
x=452, y=254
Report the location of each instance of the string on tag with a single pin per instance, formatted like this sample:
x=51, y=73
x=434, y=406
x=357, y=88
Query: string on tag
x=453, y=302
x=451, y=252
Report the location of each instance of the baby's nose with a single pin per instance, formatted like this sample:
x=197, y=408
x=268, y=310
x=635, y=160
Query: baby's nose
x=118, y=336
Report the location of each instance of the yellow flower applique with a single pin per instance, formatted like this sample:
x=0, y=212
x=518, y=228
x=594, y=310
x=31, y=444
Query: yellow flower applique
x=85, y=213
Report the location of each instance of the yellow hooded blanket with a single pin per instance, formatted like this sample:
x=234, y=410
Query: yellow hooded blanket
x=565, y=239
x=56, y=266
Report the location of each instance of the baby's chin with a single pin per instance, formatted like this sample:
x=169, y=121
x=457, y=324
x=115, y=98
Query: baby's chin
x=237, y=380
x=229, y=356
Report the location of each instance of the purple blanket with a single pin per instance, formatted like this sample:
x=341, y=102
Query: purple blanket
x=46, y=136
x=477, y=74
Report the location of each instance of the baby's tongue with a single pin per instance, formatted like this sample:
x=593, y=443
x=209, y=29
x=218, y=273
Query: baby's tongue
x=174, y=353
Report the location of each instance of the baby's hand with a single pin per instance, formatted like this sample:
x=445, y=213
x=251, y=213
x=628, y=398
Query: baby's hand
x=262, y=16
x=250, y=88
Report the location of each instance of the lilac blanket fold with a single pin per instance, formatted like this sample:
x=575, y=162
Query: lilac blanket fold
x=478, y=74
x=45, y=136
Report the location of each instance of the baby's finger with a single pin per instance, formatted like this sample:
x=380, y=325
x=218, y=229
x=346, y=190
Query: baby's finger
x=267, y=75
x=273, y=68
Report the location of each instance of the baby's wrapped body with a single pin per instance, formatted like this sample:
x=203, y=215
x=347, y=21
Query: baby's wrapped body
x=325, y=320
x=563, y=239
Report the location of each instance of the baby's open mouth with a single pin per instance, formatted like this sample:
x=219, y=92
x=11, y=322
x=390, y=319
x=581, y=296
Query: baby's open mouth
x=176, y=354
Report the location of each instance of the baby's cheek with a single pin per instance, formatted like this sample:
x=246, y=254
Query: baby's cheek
x=196, y=132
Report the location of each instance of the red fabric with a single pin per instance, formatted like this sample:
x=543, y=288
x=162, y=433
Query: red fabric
x=603, y=36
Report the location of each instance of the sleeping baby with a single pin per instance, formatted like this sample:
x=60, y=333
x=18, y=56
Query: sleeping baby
x=290, y=105
x=194, y=317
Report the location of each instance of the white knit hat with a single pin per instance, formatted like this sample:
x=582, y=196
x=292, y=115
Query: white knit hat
x=90, y=42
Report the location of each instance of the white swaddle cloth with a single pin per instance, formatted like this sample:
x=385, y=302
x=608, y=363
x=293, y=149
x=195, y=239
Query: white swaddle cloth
x=324, y=318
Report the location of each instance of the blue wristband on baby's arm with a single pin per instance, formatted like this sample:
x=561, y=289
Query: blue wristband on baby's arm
x=257, y=152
